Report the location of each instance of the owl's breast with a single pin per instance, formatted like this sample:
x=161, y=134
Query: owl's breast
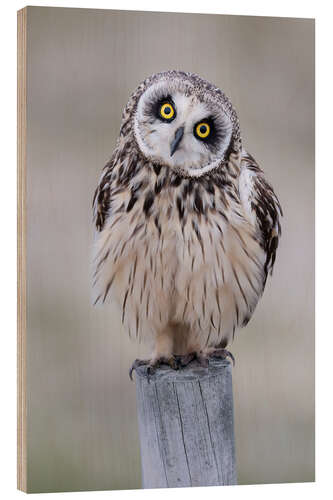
x=180, y=252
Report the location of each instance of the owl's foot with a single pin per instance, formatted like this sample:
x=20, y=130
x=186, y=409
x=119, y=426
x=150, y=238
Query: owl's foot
x=136, y=364
x=153, y=365
x=188, y=358
x=222, y=354
x=185, y=360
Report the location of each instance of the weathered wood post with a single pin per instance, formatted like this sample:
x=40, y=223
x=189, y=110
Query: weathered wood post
x=186, y=426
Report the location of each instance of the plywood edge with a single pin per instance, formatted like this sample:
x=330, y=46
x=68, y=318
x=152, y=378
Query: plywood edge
x=21, y=247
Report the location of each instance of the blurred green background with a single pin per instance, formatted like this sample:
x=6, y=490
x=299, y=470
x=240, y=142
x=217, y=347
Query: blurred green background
x=82, y=67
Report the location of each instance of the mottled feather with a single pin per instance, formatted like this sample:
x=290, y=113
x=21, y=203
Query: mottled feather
x=183, y=245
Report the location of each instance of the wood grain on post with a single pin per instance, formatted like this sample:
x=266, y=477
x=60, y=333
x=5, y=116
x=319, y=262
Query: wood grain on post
x=186, y=426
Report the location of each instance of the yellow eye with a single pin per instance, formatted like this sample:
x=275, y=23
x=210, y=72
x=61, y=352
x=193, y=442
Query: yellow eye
x=166, y=111
x=202, y=130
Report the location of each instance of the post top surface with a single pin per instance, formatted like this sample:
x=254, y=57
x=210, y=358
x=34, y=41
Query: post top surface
x=193, y=371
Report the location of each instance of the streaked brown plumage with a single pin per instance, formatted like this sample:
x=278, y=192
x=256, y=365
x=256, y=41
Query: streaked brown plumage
x=185, y=240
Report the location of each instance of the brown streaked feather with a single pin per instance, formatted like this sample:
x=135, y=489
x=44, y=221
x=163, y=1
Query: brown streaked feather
x=267, y=208
x=102, y=197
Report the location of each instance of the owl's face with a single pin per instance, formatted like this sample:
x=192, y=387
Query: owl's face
x=178, y=125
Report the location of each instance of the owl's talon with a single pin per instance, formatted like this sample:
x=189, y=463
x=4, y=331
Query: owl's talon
x=185, y=360
x=178, y=362
x=202, y=360
x=135, y=365
x=152, y=366
x=171, y=361
x=223, y=354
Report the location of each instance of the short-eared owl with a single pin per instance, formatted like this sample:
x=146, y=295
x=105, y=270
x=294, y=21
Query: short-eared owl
x=187, y=225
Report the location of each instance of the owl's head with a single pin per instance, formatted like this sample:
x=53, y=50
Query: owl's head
x=184, y=122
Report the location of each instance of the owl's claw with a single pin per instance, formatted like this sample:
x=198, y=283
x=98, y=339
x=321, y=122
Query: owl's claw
x=153, y=365
x=222, y=354
x=185, y=360
x=177, y=362
x=136, y=364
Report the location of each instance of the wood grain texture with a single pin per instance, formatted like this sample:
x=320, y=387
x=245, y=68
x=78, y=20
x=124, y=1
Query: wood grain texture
x=186, y=426
x=21, y=248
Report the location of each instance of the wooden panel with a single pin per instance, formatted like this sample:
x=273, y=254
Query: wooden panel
x=82, y=67
x=21, y=247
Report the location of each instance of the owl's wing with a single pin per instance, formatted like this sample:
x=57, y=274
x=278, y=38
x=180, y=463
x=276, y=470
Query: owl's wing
x=262, y=205
x=102, y=198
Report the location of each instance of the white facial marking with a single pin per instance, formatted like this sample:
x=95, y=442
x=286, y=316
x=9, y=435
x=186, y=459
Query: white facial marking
x=193, y=156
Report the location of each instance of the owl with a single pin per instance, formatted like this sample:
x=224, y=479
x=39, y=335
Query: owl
x=187, y=227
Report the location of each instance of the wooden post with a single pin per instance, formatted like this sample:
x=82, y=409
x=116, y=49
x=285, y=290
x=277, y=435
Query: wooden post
x=186, y=426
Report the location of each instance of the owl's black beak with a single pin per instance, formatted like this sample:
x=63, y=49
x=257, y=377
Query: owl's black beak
x=175, y=142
